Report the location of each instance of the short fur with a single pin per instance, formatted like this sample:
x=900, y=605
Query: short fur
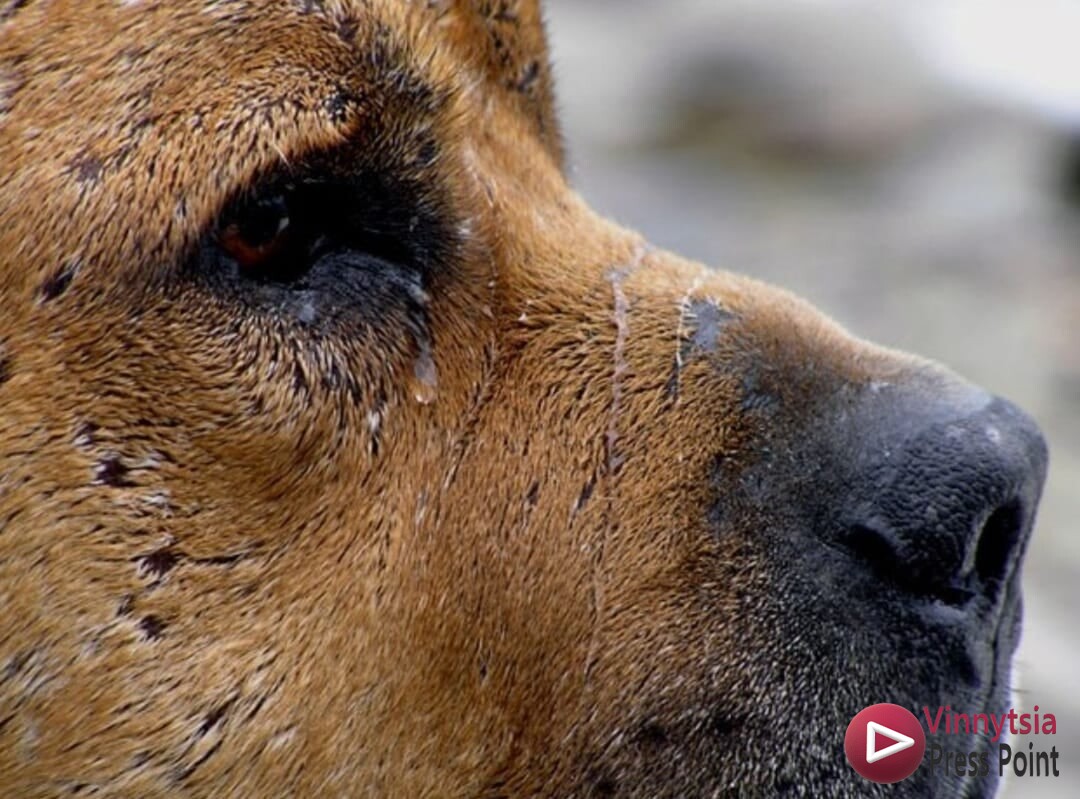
x=468, y=521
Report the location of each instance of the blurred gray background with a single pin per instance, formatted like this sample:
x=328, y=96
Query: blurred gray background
x=907, y=167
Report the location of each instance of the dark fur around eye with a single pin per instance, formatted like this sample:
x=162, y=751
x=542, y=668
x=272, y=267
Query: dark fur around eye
x=279, y=231
x=345, y=243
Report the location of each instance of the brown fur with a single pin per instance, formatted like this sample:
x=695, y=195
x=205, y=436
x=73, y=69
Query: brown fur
x=264, y=551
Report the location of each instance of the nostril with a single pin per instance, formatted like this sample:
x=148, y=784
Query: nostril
x=873, y=548
x=997, y=542
x=940, y=496
x=892, y=564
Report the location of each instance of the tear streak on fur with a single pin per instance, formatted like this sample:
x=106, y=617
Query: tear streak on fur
x=621, y=318
x=681, y=330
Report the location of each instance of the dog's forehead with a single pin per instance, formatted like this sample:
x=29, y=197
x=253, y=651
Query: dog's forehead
x=129, y=142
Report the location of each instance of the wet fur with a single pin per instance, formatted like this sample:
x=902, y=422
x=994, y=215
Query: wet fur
x=240, y=557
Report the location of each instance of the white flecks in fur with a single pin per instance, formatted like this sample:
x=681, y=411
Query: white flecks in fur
x=374, y=420
x=84, y=437
x=159, y=500
x=621, y=318
x=418, y=295
x=421, y=509
x=681, y=329
x=280, y=153
x=282, y=739
x=152, y=460
x=424, y=381
x=306, y=313
x=622, y=333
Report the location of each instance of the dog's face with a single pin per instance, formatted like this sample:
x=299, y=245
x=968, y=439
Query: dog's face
x=344, y=451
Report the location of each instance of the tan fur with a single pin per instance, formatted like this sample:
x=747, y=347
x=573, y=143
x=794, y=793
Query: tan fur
x=238, y=561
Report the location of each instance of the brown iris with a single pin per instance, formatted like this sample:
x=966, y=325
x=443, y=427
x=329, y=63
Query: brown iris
x=258, y=235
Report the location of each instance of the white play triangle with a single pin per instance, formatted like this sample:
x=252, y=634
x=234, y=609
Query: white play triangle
x=873, y=754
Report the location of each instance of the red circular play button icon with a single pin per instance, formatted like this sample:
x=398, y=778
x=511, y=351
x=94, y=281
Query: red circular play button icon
x=885, y=743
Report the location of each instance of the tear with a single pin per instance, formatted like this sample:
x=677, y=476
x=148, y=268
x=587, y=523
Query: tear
x=425, y=382
x=621, y=319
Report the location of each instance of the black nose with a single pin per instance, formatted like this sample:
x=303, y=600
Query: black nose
x=946, y=492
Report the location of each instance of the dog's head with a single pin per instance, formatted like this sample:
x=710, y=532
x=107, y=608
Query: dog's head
x=343, y=450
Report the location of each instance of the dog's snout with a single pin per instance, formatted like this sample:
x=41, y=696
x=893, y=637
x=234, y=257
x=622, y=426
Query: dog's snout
x=946, y=500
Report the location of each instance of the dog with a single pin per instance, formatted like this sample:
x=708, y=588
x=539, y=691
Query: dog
x=344, y=451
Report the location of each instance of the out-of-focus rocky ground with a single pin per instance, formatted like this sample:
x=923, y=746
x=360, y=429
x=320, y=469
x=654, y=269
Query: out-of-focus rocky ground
x=837, y=148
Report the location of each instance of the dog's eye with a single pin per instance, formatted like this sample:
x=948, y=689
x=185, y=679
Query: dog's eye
x=280, y=232
x=263, y=238
x=257, y=232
